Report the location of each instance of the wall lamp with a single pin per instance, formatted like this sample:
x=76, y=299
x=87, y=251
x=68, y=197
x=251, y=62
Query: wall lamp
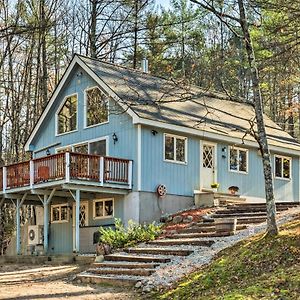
x=115, y=138
x=154, y=132
x=224, y=150
x=48, y=152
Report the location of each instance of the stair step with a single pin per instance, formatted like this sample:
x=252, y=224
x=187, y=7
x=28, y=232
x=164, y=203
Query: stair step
x=160, y=251
x=135, y=258
x=123, y=271
x=124, y=265
x=236, y=215
x=251, y=220
x=106, y=279
x=207, y=229
x=199, y=235
x=230, y=210
x=178, y=242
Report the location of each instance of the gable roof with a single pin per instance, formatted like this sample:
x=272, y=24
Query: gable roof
x=164, y=103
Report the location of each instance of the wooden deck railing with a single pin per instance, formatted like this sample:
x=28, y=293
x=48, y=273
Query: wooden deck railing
x=67, y=166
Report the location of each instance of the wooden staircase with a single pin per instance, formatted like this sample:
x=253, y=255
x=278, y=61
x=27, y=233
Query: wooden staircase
x=137, y=263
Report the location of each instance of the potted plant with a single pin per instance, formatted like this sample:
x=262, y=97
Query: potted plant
x=233, y=189
x=215, y=186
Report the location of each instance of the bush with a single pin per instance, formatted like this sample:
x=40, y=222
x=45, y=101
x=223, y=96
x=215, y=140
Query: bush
x=121, y=237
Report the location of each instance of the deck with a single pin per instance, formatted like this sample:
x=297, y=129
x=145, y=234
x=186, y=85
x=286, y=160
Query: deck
x=67, y=168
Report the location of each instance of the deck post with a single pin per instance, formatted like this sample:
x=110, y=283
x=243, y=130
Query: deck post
x=67, y=166
x=77, y=199
x=46, y=223
x=18, y=225
x=4, y=178
x=31, y=173
x=101, y=170
x=130, y=174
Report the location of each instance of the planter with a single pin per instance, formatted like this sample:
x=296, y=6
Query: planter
x=226, y=225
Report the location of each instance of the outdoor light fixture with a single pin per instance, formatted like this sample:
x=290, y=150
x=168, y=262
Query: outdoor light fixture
x=154, y=132
x=48, y=152
x=115, y=138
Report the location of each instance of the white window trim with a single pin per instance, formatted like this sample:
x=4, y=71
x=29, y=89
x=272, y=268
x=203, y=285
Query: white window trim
x=247, y=157
x=86, y=142
x=68, y=213
x=185, y=150
x=85, y=108
x=103, y=200
x=57, y=112
x=283, y=157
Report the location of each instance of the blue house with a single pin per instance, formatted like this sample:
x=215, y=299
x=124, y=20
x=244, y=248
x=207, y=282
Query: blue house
x=110, y=136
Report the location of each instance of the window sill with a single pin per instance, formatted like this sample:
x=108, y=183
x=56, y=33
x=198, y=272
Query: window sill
x=60, y=134
x=103, y=218
x=238, y=172
x=176, y=162
x=95, y=125
x=282, y=178
x=59, y=222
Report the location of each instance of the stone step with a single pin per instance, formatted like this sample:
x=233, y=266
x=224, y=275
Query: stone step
x=106, y=279
x=123, y=271
x=136, y=258
x=199, y=235
x=179, y=242
x=231, y=210
x=206, y=229
x=159, y=251
x=250, y=220
x=124, y=265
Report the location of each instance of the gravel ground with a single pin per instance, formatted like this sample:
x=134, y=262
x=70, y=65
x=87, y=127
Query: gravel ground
x=167, y=274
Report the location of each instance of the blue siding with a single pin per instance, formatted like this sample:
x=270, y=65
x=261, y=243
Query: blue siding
x=119, y=123
x=180, y=179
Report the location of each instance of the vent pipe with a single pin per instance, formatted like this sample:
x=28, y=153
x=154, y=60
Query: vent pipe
x=145, y=68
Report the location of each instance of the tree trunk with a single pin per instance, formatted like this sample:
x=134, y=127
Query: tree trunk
x=262, y=136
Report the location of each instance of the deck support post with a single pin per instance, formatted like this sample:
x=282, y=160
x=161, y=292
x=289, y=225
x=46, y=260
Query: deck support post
x=4, y=178
x=77, y=199
x=67, y=158
x=101, y=170
x=18, y=223
x=46, y=201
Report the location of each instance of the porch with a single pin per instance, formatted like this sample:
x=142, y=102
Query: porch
x=71, y=179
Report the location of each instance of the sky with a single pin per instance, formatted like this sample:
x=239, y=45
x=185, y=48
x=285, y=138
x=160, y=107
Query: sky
x=164, y=3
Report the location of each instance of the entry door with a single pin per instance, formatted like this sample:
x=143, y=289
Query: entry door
x=83, y=217
x=208, y=172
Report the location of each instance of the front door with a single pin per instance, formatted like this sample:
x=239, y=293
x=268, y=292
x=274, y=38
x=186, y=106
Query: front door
x=208, y=165
x=83, y=217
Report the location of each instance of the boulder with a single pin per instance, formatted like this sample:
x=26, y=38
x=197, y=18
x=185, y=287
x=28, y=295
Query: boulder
x=177, y=219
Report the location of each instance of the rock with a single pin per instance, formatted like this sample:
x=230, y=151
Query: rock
x=138, y=285
x=188, y=219
x=177, y=219
x=207, y=219
x=169, y=219
x=147, y=289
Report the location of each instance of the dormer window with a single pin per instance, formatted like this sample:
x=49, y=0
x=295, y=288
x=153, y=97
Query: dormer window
x=67, y=115
x=96, y=107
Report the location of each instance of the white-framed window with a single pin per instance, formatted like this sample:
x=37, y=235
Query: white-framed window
x=60, y=213
x=283, y=167
x=66, y=116
x=238, y=160
x=175, y=148
x=103, y=208
x=96, y=147
x=96, y=107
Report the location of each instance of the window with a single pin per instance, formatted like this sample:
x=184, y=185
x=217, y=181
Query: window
x=59, y=213
x=91, y=147
x=103, y=208
x=175, y=148
x=96, y=107
x=282, y=167
x=238, y=160
x=67, y=115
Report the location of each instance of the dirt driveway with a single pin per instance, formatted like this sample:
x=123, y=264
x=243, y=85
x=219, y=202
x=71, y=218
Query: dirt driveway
x=53, y=282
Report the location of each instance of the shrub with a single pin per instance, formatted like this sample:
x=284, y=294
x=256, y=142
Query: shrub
x=121, y=237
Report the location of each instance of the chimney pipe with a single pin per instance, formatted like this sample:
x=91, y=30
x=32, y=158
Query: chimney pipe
x=145, y=68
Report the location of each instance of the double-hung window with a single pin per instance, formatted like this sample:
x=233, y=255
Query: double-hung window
x=59, y=213
x=175, y=148
x=238, y=160
x=283, y=167
x=103, y=208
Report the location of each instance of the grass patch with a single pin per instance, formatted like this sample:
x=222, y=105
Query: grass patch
x=260, y=267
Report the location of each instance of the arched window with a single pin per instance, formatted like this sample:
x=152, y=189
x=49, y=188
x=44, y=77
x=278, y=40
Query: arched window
x=96, y=107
